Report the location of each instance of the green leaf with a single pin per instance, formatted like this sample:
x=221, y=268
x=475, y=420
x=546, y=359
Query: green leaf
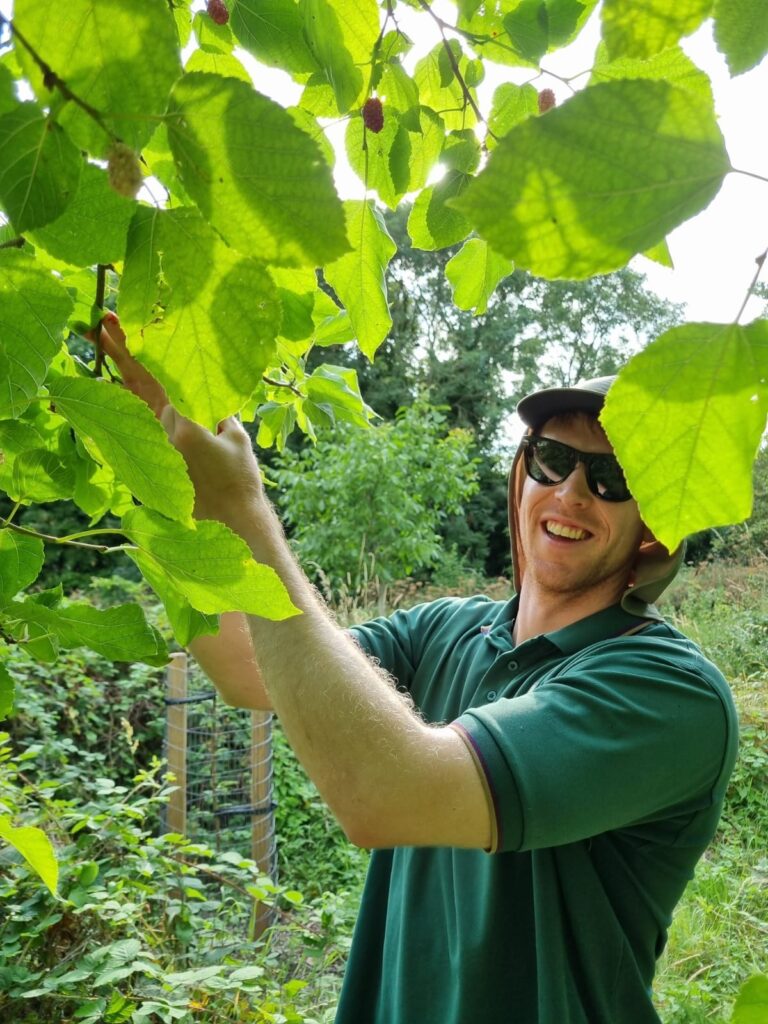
x=741, y=32
x=21, y=559
x=474, y=272
x=131, y=441
x=7, y=693
x=511, y=104
x=397, y=89
x=260, y=180
x=603, y=177
x=752, y=1001
x=186, y=622
x=219, y=309
x=40, y=167
x=672, y=65
x=528, y=29
x=632, y=33
x=341, y=35
x=120, y=58
x=120, y=633
x=94, y=226
x=358, y=278
x=210, y=565
x=336, y=390
x=8, y=99
x=35, y=311
x=441, y=90
x=217, y=63
x=660, y=254
x=382, y=156
x=686, y=416
x=40, y=475
x=434, y=222
x=36, y=849
x=138, y=282
x=273, y=31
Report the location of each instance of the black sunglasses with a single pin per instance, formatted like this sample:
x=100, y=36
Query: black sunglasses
x=549, y=462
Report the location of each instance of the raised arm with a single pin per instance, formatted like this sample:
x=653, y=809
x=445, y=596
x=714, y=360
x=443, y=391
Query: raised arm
x=226, y=658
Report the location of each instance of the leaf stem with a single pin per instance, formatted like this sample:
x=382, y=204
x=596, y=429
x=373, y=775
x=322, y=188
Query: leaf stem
x=52, y=81
x=6, y=524
x=442, y=25
x=282, y=384
x=760, y=261
x=750, y=174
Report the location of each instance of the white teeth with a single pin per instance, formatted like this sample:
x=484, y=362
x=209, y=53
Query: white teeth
x=571, y=532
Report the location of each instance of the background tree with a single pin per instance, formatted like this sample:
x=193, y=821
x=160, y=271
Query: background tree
x=365, y=506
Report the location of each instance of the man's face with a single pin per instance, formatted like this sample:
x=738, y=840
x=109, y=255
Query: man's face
x=573, y=541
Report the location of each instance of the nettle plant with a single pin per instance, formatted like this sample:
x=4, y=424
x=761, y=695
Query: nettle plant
x=239, y=257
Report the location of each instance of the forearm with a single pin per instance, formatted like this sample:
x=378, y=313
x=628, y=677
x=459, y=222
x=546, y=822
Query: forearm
x=229, y=662
x=381, y=769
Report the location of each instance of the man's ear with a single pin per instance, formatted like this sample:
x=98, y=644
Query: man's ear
x=650, y=547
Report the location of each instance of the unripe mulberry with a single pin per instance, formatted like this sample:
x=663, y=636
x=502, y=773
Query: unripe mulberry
x=218, y=11
x=124, y=170
x=546, y=100
x=373, y=115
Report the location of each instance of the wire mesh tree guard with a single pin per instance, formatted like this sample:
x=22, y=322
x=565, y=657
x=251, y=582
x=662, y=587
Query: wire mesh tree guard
x=221, y=759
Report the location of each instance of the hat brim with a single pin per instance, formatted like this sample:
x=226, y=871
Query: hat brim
x=536, y=409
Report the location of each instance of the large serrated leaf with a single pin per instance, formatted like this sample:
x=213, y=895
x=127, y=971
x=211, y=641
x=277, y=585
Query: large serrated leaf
x=215, y=334
x=358, y=277
x=40, y=167
x=741, y=32
x=93, y=227
x=686, y=416
x=605, y=176
x=434, y=222
x=658, y=25
x=131, y=441
x=260, y=180
x=186, y=622
x=121, y=58
x=35, y=311
x=21, y=559
x=120, y=633
x=341, y=35
x=210, y=565
x=36, y=849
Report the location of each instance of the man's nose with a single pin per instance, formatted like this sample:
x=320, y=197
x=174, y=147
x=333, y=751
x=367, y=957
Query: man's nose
x=575, y=489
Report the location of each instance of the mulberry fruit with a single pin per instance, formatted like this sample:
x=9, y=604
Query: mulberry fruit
x=373, y=115
x=218, y=11
x=546, y=100
x=124, y=170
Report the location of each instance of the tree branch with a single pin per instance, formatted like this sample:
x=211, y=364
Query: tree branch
x=52, y=81
x=6, y=524
x=759, y=260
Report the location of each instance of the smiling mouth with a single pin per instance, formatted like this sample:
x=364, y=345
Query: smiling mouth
x=569, y=532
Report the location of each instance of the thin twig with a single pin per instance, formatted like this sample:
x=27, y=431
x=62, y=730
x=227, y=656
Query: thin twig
x=759, y=260
x=468, y=98
x=282, y=384
x=52, y=81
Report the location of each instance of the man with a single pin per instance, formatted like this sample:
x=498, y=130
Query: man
x=537, y=777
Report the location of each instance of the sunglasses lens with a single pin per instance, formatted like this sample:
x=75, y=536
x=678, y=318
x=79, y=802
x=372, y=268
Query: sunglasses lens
x=549, y=462
x=606, y=479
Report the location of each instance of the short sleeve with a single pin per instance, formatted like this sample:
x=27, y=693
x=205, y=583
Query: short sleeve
x=622, y=736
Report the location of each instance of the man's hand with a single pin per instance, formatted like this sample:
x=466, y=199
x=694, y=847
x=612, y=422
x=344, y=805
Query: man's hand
x=222, y=467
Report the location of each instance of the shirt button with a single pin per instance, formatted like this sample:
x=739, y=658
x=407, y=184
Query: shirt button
x=512, y=665
x=491, y=695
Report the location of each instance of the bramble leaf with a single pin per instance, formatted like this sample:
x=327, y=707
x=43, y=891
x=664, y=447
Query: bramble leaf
x=605, y=176
x=701, y=390
x=7, y=692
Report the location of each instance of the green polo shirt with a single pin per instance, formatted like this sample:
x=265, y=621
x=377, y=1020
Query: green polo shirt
x=605, y=754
